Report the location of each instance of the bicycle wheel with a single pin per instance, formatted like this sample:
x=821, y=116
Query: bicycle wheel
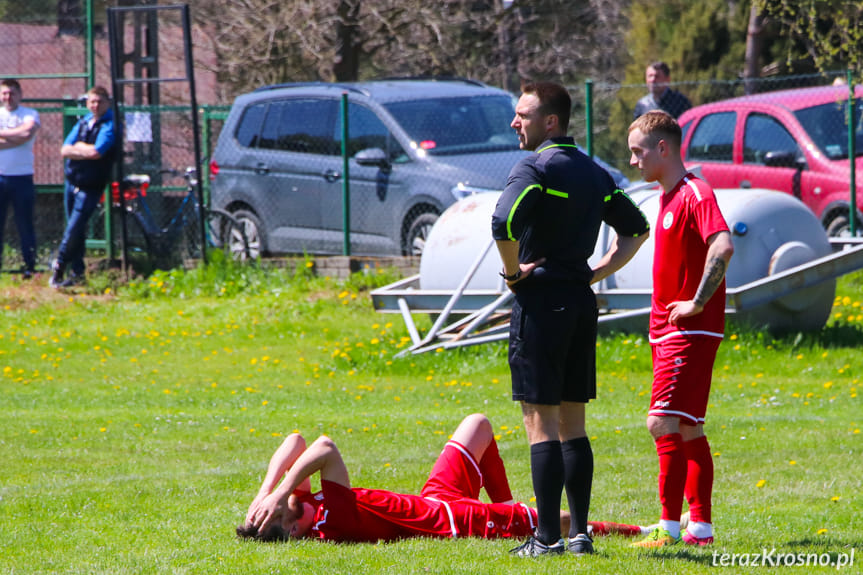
x=139, y=251
x=225, y=233
x=190, y=233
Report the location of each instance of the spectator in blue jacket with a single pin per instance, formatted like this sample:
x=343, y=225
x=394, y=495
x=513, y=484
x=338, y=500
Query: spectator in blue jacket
x=89, y=152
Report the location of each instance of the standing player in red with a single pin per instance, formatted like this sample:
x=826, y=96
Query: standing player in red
x=687, y=320
x=448, y=505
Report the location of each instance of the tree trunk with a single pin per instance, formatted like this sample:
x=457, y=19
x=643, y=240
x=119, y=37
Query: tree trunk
x=754, y=47
x=347, y=64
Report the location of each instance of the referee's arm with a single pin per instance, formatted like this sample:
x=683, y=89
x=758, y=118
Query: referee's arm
x=510, y=218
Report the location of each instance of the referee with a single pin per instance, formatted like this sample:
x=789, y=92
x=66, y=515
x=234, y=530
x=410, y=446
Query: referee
x=546, y=225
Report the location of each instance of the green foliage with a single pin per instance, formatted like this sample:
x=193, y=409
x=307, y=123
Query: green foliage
x=829, y=32
x=700, y=42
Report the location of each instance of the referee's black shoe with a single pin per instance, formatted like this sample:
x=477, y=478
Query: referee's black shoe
x=533, y=547
x=581, y=544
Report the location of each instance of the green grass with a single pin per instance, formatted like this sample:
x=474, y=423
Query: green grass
x=138, y=421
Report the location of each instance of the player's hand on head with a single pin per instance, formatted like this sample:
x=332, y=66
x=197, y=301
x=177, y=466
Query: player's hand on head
x=256, y=502
x=270, y=509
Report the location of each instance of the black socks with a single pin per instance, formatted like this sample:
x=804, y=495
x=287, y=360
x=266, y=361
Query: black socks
x=578, y=479
x=546, y=468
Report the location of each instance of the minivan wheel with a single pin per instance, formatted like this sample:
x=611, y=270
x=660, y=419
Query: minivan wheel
x=418, y=232
x=254, y=232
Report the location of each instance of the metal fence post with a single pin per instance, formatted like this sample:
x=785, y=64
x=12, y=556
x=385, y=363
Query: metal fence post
x=91, y=52
x=588, y=115
x=346, y=186
x=852, y=154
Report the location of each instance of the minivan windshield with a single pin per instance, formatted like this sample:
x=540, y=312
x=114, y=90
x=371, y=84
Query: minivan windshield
x=826, y=125
x=461, y=125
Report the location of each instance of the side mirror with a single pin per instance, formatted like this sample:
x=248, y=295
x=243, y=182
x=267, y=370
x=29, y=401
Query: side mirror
x=783, y=159
x=373, y=157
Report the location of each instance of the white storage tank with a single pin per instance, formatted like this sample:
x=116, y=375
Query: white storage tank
x=772, y=232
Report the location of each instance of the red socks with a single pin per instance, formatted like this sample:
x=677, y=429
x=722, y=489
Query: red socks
x=672, y=475
x=699, y=479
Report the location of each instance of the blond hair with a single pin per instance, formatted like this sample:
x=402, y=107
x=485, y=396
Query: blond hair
x=658, y=125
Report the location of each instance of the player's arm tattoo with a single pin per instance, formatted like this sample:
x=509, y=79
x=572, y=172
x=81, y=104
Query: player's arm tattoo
x=710, y=281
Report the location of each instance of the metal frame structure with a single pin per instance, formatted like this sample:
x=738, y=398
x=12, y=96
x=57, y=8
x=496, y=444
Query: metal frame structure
x=146, y=79
x=486, y=312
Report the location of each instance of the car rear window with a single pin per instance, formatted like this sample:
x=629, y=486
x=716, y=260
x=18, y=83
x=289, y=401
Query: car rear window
x=713, y=138
x=765, y=134
x=250, y=125
x=301, y=125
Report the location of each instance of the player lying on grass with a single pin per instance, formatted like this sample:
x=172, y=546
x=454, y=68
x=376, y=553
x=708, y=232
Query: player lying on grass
x=447, y=506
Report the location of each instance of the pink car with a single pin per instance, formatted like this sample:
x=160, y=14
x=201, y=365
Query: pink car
x=794, y=141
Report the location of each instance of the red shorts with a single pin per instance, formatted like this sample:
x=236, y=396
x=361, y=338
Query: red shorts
x=682, y=369
x=455, y=475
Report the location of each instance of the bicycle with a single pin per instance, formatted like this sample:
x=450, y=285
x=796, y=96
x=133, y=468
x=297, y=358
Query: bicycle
x=150, y=245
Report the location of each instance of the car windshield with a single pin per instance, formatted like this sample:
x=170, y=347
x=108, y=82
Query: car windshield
x=828, y=129
x=458, y=125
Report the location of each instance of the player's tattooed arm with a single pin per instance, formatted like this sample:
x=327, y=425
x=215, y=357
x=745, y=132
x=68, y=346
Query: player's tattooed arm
x=719, y=254
x=713, y=276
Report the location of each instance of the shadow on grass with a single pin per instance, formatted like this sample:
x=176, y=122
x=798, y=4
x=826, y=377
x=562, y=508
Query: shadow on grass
x=702, y=556
x=826, y=545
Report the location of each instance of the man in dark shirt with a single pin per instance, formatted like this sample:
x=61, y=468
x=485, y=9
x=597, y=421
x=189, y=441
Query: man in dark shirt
x=660, y=96
x=546, y=225
x=89, y=151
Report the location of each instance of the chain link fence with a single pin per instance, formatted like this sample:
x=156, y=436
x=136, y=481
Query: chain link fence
x=415, y=147
x=45, y=48
x=794, y=134
x=280, y=168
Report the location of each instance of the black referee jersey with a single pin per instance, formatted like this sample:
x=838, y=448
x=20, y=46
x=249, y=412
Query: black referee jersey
x=553, y=205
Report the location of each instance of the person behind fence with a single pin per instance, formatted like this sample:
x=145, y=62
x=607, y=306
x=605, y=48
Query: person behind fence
x=546, y=224
x=18, y=127
x=89, y=151
x=448, y=505
x=659, y=95
x=692, y=250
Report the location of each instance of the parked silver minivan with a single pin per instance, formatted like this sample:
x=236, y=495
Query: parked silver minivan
x=415, y=147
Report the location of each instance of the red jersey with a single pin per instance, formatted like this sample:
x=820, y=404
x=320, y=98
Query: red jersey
x=368, y=515
x=688, y=216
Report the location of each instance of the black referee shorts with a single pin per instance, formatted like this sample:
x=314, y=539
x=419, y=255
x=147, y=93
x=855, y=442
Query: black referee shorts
x=552, y=343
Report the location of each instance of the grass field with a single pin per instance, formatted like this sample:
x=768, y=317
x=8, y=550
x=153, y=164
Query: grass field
x=138, y=421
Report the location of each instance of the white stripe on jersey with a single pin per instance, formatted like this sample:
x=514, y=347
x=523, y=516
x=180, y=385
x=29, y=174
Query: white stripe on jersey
x=667, y=412
x=684, y=333
x=529, y=516
x=452, y=525
x=470, y=458
x=691, y=183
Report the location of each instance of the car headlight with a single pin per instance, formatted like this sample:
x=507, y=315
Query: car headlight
x=460, y=191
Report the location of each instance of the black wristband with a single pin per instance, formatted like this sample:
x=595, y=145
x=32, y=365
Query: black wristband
x=511, y=278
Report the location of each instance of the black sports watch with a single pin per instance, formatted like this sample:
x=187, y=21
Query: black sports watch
x=511, y=278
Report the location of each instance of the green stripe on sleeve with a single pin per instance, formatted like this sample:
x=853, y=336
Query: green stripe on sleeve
x=515, y=207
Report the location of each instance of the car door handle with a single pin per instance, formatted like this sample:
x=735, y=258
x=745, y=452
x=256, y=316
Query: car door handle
x=331, y=175
x=746, y=184
x=262, y=169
